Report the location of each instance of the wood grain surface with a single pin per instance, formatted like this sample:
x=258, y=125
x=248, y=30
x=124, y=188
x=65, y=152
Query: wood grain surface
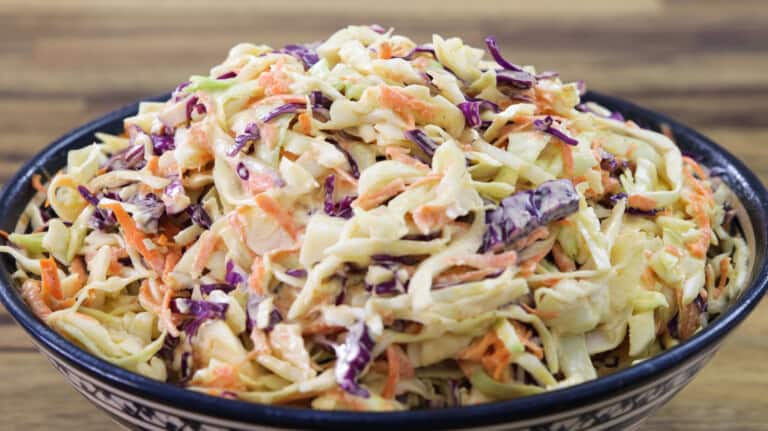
x=700, y=61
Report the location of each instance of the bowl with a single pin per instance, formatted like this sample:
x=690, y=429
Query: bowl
x=619, y=401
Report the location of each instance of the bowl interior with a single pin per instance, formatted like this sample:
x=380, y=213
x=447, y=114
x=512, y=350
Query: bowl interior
x=752, y=207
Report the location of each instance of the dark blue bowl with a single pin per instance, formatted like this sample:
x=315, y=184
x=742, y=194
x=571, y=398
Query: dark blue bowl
x=619, y=401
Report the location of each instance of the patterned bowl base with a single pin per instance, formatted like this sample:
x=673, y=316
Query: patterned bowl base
x=626, y=411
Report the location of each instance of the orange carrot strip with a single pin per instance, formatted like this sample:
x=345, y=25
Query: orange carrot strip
x=136, y=237
x=30, y=292
x=641, y=202
x=37, y=183
x=344, y=175
x=696, y=167
x=305, y=123
x=429, y=218
x=153, y=165
x=400, y=154
x=488, y=260
x=376, y=198
x=208, y=243
x=385, y=51
x=567, y=154
x=405, y=105
x=477, y=349
x=563, y=261
x=393, y=374
x=78, y=267
x=283, y=217
x=256, y=279
x=525, y=335
x=724, y=271
x=50, y=276
x=540, y=313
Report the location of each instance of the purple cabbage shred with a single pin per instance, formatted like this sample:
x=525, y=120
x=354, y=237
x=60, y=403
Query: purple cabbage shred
x=547, y=125
x=199, y=216
x=250, y=135
x=427, y=145
x=207, y=288
x=233, y=277
x=522, y=212
x=352, y=358
x=342, y=208
x=199, y=311
x=102, y=218
x=288, y=108
x=353, y=167
x=306, y=53
x=129, y=158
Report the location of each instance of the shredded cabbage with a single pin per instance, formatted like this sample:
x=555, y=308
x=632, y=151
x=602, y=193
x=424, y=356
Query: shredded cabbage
x=367, y=223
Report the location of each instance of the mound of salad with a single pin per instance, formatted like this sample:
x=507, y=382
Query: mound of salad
x=372, y=224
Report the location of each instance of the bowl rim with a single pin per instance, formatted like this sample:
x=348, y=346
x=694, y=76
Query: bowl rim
x=548, y=403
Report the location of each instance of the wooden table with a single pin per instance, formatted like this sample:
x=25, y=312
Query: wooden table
x=702, y=62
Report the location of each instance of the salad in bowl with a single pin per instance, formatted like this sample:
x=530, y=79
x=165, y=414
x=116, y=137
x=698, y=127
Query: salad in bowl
x=372, y=224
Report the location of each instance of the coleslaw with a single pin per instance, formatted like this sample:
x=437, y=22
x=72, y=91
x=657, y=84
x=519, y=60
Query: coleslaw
x=372, y=224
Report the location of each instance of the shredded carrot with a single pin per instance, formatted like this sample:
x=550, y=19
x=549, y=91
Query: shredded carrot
x=430, y=218
x=496, y=363
x=208, y=243
x=225, y=376
x=525, y=335
x=688, y=317
x=460, y=275
x=648, y=278
x=275, y=81
x=153, y=165
x=305, y=123
x=488, y=260
x=78, y=267
x=37, y=184
x=537, y=234
x=674, y=251
x=563, y=261
x=345, y=176
x=171, y=259
x=375, y=198
x=477, y=349
x=385, y=51
x=136, y=237
x=696, y=167
x=281, y=98
x=725, y=264
x=540, y=313
x=147, y=297
x=31, y=293
x=400, y=154
x=393, y=374
x=259, y=183
x=641, y=202
x=256, y=279
x=430, y=178
x=281, y=215
x=405, y=105
x=50, y=275
x=567, y=154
